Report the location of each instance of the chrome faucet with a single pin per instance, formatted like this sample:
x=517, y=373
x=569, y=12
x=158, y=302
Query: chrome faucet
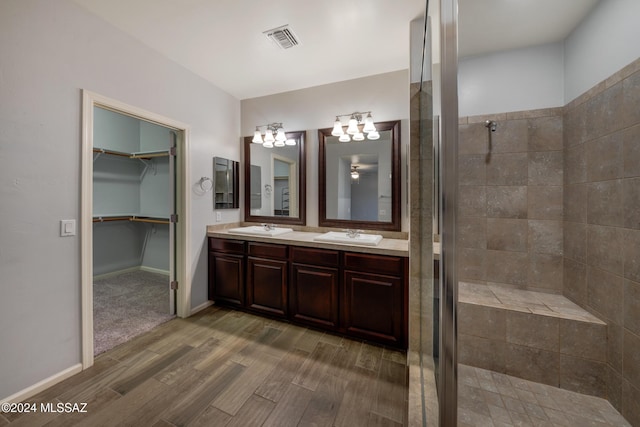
x=268, y=227
x=353, y=234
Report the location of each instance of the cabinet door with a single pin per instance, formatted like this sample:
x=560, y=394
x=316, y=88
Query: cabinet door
x=267, y=286
x=313, y=297
x=373, y=307
x=226, y=278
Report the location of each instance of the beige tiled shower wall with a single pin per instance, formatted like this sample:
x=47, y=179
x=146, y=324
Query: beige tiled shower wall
x=510, y=215
x=602, y=223
x=552, y=204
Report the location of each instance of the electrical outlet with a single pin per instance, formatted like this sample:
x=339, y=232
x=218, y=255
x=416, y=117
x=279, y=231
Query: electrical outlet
x=218, y=216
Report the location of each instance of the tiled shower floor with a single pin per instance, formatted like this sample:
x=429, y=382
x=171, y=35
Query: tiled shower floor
x=487, y=398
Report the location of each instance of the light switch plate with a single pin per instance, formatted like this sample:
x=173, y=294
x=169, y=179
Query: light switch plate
x=218, y=216
x=67, y=227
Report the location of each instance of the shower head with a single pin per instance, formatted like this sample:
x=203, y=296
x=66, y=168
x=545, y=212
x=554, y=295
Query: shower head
x=490, y=124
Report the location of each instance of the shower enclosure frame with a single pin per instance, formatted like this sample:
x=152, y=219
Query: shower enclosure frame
x=448, y=360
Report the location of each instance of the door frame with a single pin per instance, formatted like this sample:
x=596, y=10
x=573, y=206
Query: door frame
x=183, y=207
x=293, y=183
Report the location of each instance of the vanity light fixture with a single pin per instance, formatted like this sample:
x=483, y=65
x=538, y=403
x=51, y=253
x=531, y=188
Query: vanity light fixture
x=353, y=129
x=270, y=140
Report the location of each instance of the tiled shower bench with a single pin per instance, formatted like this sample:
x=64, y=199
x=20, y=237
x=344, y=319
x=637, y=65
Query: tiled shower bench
x=536, y=336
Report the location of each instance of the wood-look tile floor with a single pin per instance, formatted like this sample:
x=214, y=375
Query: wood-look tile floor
x=227, y=368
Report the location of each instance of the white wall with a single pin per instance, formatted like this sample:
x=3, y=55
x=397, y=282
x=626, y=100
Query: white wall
x=514, y=80
x=154, y=137
x=115, y=131
x=386, y=95
x=605, y=42
x=51, y=49
x=363, y=206
x=109, y=252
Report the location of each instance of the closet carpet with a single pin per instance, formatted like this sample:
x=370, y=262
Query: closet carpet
x=127, y=305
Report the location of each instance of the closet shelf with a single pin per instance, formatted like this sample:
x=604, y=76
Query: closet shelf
x=145, y=157
x=132, y=218
x=150, y=154
x=136, y=155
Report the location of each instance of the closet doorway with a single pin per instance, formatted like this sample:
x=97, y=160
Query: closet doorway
x=131, y=264
x=285, y=187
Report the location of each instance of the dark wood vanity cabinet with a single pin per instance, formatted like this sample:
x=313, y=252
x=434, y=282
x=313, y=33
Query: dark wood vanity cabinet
x=226, y=271
x=314, y=287
x=374, y=298
x=267, y=267
x=356, y=294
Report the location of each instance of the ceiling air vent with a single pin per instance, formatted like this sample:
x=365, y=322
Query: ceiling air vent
x=282, y=36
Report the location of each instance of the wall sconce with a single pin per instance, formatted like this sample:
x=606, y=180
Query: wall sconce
x=353, y=129
x=274, y=136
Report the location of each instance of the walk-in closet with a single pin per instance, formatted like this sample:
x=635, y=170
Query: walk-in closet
x=133, y=207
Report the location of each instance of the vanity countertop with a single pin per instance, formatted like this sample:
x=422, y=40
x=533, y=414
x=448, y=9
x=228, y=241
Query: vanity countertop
x=397, y=247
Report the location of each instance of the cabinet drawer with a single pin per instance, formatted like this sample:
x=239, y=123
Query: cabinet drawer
x=315, y=256
x=374, y=263
x=226, y=245
x=267, y=250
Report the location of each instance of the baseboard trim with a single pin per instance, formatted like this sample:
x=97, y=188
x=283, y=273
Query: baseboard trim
x=201, y=307
x=131, y=270
x=44, y=384
x=155, y=270
x=115, y=273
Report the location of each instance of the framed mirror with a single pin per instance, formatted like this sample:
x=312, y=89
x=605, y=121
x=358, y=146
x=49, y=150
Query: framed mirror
x=226, y=178
x=359, y=182
x=275, y=182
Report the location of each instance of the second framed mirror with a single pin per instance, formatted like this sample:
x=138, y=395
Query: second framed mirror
x=275, y=184
x=359, y=181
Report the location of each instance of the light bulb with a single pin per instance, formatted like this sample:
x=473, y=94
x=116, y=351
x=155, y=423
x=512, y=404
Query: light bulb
x=267, y=144
x=278, y=143
x=280, y=136
x=353, y=126
x=373, y=135
x=337, y=128
x=344, y=138
x=368, y=124
x=358, y=136
x=268, y=136
x=257, y=138
x=290, y=142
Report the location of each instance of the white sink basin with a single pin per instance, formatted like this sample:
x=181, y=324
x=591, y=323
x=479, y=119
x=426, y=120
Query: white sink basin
x=258, y=230
x=361, y=239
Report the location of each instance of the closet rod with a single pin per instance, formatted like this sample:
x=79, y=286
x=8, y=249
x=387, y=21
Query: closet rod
x=111, y=152
x=113, y=218
x=132, y=155
x=152, y=221
x=149, y=155
x=131, y=218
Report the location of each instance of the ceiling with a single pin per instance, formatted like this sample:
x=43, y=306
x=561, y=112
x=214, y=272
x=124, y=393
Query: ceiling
x=223, y=41
x=493, y=25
